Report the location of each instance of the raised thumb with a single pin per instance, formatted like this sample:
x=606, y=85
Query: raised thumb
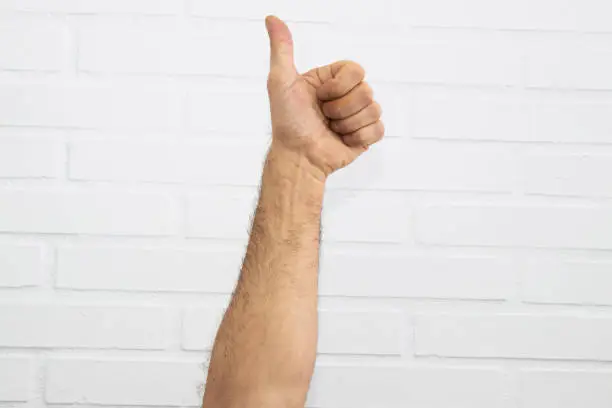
x=281, y=48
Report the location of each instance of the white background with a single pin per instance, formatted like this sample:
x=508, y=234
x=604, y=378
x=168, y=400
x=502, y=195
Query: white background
x=467, y=259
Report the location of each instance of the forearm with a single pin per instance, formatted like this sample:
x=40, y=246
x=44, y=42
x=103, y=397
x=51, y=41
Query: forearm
x=266, y=345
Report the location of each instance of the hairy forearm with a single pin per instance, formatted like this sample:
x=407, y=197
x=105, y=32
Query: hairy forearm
x=266, y=346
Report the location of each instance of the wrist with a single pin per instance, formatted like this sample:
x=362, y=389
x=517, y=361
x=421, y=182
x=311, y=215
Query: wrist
x=291, y=187
x=291, y=161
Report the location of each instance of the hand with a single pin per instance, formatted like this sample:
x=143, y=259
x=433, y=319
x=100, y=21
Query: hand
x=328, y=114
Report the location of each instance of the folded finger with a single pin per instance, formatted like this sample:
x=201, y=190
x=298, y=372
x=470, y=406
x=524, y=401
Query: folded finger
x=365, y=136
x=371, y=114
x=357, y=99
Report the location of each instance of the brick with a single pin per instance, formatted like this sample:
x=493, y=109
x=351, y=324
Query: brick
x=360, y=332
x=344, y=220
x=133, y=48
x=486, y=62
x=575, y=15
x=252, y=61
x=468, y=167
x=93, y=6
x=214, y=108
x=534, y=116
x=70, y=212
x=577, y=282
x=20, y=265
x=162, y=47
x=71, y=326
x=514, y=336
x=89, y=106
x=169, y=162
x=577, y=227
x=221, y=212
x=153, y=383
x=349, y=273
x=392, y=386
x=570, y=118
x=452, y=114
x=568, y=174
x=579, y=64
x=30, y=158
x=112, y=161
x=151, y=269
x=32, y=44
x=216, y=162
x=15, y=379
x=565, y=388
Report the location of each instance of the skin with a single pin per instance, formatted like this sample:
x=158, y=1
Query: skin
x=322, y=120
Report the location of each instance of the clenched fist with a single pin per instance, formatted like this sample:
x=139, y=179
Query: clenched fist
x=328, y=114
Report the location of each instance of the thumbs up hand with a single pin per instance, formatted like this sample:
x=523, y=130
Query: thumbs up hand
x=327, y=115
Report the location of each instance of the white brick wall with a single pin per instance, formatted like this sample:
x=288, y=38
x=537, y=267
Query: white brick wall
x=82, y=104
x=395, y=274
x=579, y=64
x=568, y=174
x=576, y=15
x=54, y=211
x=21, y=265
x=417, y=385
x=94, y=6
x=567, y=282
x=565, y=388
x=123, y=382
x=514, y=336
x=16, y=378
x=167, y=161
x=33, y=45
x=82, y=326
x=466, y=260
x=551, y=226
x=147, y=269
x=29, y=157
